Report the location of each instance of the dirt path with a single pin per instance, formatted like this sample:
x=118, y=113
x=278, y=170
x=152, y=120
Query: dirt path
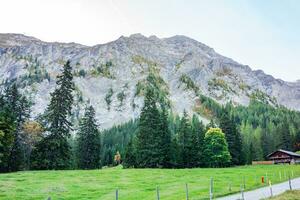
x=265, y=192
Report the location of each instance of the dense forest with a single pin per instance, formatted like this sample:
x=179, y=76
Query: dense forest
x=236, y=135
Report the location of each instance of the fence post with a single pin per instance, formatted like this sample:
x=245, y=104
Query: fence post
x=244, y=182
x=211, y=188
x=229, y=187
x=187, y=191
x=290, y=183
x=270, y=185
x=242, y=192
x=157, y=192
x=280, y=175
x=117, y=194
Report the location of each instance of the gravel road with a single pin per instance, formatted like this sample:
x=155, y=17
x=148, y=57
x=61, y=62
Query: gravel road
x=265, y=192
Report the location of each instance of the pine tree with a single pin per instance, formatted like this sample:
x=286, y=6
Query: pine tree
x=233, y=137
x=250, y=155
x=148, y=140
x=216, y=151
x=7, y=130
x=19, y=109
x=185, y=141
x=17, y=156
x=88, y=140
x=283, y=131
x=197, y=142
x=130, y=155
x=53, y=151
x=175, y=153
x=265, y=143
x=165, y=140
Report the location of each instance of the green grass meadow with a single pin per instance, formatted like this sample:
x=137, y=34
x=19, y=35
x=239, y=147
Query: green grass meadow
x=137, y=184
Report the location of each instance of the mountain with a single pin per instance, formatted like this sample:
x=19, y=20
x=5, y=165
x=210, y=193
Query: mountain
x=111, y=76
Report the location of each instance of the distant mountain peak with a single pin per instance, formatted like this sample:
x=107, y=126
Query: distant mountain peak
x=137, y=35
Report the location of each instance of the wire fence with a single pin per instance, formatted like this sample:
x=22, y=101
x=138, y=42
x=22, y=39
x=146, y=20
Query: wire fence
x=232, y=188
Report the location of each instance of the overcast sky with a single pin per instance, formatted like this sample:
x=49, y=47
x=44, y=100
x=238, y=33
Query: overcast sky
x=264, y=34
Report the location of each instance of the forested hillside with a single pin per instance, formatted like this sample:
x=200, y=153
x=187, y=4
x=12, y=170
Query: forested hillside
x=263, y=128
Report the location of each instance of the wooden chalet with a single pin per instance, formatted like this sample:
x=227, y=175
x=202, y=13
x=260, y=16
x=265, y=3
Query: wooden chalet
x=282, y=156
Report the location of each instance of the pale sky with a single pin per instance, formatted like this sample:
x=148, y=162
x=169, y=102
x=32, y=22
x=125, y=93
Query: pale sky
x=264, y=34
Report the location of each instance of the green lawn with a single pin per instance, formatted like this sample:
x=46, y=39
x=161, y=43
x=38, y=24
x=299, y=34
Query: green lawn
x=136, y=184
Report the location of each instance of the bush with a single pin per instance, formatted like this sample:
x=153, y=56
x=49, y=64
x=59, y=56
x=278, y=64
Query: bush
x=82, y=73
x=216, y=153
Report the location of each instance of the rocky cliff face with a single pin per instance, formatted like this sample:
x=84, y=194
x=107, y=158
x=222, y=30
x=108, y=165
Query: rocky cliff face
x=111, y=76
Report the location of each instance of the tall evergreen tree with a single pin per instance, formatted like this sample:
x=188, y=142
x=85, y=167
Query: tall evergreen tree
x=19, y=109
x=130, y=155
x=198, y=132
x=250, y=155
x=185, y=141
x=88, y=150
x=283, y=131
x=6, y=140
x=165, y=139
x=53, y=151
x=148, y=140
x=175, y=152
x=233, y=137
x=265, y=143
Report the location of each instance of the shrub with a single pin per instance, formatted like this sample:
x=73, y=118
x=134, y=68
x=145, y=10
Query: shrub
x=216, y=153
x=108, y=98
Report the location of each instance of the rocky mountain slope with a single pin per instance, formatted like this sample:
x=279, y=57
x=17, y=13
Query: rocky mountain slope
x=111, y=76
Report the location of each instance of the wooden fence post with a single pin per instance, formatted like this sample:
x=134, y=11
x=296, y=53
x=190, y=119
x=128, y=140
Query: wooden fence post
x=187, y=191
x=270, y=185
x=242, y=192
x=290, y=183
x=157, y=192
x=117, y=194
x=211, y=188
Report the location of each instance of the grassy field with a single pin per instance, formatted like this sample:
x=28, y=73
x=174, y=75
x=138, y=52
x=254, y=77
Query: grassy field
x=289, y=195
x=136, y=184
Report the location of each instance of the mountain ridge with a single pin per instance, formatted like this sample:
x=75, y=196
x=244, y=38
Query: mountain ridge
x=182, y=65
x=135, y=35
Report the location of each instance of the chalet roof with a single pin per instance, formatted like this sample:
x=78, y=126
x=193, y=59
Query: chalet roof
x=286, y=152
